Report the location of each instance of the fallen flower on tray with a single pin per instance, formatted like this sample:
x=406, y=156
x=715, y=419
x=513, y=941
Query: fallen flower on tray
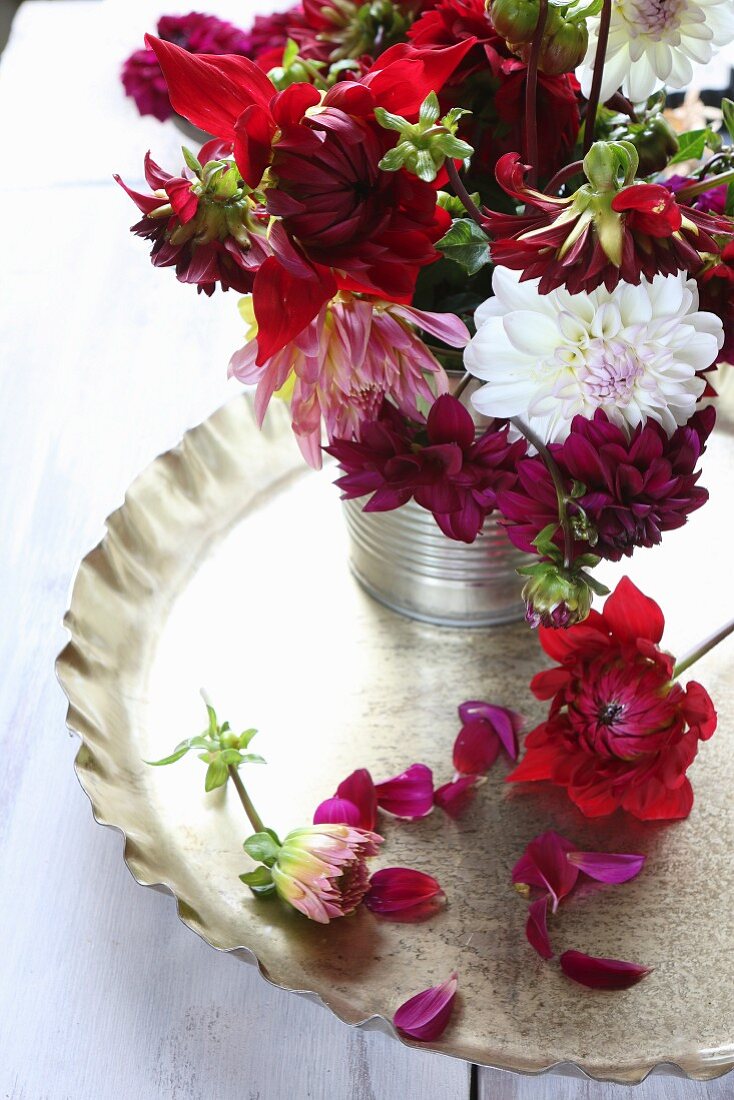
x=426, y=1015
x=486, y=728
x=401, y=890
x=598, y=973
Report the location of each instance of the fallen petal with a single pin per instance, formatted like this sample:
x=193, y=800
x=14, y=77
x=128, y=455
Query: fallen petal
x=607, y=866
x=395, y=889
x=456, y=797
x=536, y=928
x=602, y=973
x=337, y=811
x=426, y=1015
x=544, y=865
x=476, y=747
x=409, y=794
x=359, y=789
x=507, y=723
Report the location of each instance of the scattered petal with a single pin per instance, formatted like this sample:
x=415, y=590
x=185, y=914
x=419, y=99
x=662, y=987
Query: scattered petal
x=476, y=747
x=544, y=865
x=409, y=794
x=505, y=723
x=359, y=789
x=426, y=1015
x=599, y=973
x=455, y=797
x=395, y=889
x=536, y=928
x=607, y=866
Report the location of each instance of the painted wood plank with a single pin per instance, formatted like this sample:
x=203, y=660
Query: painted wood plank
x=494, y=1085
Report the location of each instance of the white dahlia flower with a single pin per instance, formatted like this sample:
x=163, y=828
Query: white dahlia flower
x=634, y=352
x=654, y=42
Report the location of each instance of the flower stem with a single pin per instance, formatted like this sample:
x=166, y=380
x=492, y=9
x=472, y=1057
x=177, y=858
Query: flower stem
x=599, y=58
x=695, y=189
x=462, y=385
x=531, y=95
x=560, y=488
x=252, y=814
x=562, y=175
x=704, y=647
x=461, y=192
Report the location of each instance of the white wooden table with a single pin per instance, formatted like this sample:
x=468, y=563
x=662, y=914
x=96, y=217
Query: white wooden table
x=105, y=362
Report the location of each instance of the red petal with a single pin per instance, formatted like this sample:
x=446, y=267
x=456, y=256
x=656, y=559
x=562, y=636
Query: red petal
x=506, y=723
x=455, y=797
x=404, y=75
x=630, y=614
x=476, y=748
x=211, y=90
x=253, y=143
x=564, y=644
x=395, y=889
x=359, y=789
x=285, y=304
x=289, y=107
x=409, y=794
x=537, y=763
x=536, y=928
x=426, y=1015
x=699, y=710
x=338, y=811
x=602, y=973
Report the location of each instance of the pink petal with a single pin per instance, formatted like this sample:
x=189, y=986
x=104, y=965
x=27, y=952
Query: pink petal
x=476, y=748
x=455, y=797
x=544, y=865
x=426, y=1015
x=359, y=789
x=394, y=889
x=602, y=973
x=505, y=722
x=446, y=326
x=337, y=811
x=536, y=928
x=409, y=794
x=607, y=866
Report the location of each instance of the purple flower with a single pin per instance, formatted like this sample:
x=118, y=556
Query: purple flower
x=712, y=202
x=441, y=465
x=626, y=492
x=144, y=82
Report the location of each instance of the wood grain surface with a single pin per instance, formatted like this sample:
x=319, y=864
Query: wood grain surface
x=105, y=362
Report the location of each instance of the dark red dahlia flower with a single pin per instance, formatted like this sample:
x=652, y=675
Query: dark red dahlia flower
x=621, y=733
x=716, y=290
x=600, y=234
x=337, y=30
x=622, y=492
x=144, y=82
x=206, y=225
x=441, y=465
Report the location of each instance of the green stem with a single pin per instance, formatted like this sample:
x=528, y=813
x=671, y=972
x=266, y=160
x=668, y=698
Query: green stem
x=700, y=650
x=695, y=189
x=461, y=192
x=462, y=385
x=531, y=95
x=599, y=58
x=560, y=488
x=252, y=814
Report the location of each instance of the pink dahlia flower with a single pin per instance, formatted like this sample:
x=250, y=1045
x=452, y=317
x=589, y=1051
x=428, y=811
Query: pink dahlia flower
x=321, y=870
x=354, y=353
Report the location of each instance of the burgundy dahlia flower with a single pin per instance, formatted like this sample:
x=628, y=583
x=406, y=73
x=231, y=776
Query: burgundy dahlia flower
x=716, y=289
x=442, y=465
x=600, y=234
x=621, y=732
x=622, y=492
x=144, y=82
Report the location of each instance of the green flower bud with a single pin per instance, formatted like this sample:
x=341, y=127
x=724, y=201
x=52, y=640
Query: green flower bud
x=655, y=142
x=564, y=49
x=555, y=596
x=515, y=20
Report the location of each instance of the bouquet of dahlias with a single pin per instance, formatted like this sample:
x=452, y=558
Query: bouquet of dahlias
x=406, y=187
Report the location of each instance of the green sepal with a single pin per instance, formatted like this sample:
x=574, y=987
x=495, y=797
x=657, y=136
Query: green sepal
x=429, y=109
x=263, y=847
x=388, y=120
x=216, y=774
x=543, y=541
x=260, y=881
x=727, y=110
x=595, y=585
x=177, y=753
x=245, y=737
x=191, y=160
x=466, y=244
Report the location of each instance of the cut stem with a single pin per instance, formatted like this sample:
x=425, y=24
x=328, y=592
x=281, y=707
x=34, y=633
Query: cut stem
x=531, y=95
x=563, y=174
x=461, y=192
x=704, y=647
x=560, y=488
x=252, y=814
x=599, y=58
x=695, y=189
x=462, y=385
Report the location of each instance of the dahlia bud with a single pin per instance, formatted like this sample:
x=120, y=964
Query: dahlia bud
x=556, y=596
x=515, y=20
x=655, y=142
x=423, y=146
x=564, y=50
x=565, y=39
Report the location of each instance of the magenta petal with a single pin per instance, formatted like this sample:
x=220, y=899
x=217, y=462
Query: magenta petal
x=544, y=864
x=426, y=1015
x=476, y=747
x=455, y=797
x=409, y=794
x=602, y=973
x=394, y=889
x=536, y=928
x=337, y=811
x=506, y=723
x=607, y=866
x=359, y=789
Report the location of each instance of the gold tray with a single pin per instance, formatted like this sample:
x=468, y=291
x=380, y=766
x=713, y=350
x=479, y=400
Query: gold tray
x=226, y=567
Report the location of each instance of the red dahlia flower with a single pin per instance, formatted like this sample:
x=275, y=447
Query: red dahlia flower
x=621, y=733
x=601, y=234
x=622, y=492
x=442, y=466
x=206, y=225
x=358, y=228
x=716, y=289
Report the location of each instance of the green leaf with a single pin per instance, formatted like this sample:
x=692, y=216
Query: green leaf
x=290, y=53
x=262, y=847
x=260, y=881
x=253, y=758
x=213, y=724
x=692, y=145
x=466, y=245
x=727, y=110
x=729, y=207
x=191, y=160
x=216, y=774
x=429, y=109
x=177, y=753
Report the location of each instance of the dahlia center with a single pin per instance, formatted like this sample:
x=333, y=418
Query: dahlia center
x=612, y=370
x=659, y=19
x=609, y=713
